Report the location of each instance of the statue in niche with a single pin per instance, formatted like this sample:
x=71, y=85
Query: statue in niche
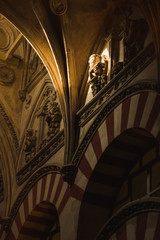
x=52, y=115
x=135, y=33
x=30, y=144
x=97, y=72
x=53, y=118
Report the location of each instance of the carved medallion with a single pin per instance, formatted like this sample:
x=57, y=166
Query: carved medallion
x=7, y=75
x=58, y=7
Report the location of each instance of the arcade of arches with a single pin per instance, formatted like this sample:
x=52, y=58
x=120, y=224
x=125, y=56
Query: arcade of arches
x=79, y=120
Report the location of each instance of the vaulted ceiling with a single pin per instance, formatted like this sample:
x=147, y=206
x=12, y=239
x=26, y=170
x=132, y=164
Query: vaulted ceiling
x=64, y=34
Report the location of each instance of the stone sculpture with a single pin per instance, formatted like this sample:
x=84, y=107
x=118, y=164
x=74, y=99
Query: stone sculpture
x=98, y=67
x=30, y=144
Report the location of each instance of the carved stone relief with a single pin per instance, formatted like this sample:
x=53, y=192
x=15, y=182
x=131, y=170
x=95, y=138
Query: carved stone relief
x=7, y=75
x=45, y=124
x=97, y=73
x=41, y=157
x=28, y=101
x=30, y=144
x=50, y=112
x=58, y=7
x=22, y=94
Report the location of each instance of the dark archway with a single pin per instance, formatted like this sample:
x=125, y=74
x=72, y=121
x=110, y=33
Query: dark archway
x=107, y=178
x=41, y=224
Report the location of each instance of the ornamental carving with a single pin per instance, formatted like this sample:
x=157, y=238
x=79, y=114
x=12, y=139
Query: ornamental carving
x=7, y=75
x=42, y=156
x=22, y=94
x=58, y=7
x=30, y=144
x=50, y=111
x=98, y=66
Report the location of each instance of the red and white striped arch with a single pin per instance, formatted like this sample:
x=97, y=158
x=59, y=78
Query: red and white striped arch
x=144, y=226
x=140, y=110
x=50, y=188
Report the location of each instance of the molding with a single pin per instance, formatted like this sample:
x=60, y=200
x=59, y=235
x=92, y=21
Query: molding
x=10, y=126
x=40, y=158
x=106, y=109
x=125, y=76
x=125, y=214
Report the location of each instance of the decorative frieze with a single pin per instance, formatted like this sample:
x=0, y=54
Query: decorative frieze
x=41, y=157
